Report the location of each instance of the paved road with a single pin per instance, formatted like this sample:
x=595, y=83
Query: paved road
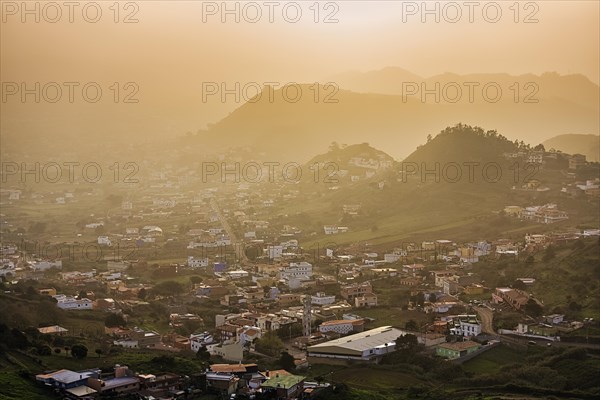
x=487, y=316
x=525, y=341
x=238, y=247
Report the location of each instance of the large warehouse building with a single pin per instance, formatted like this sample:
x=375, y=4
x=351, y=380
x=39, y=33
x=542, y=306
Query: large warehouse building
x=367, y=346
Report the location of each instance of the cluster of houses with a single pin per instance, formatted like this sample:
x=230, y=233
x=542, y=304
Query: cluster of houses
x=546, y=214
x=267, y=295
x=223, y=380
x=113, y=281
x=147, y=234
x=540, y=157
x=590, y=187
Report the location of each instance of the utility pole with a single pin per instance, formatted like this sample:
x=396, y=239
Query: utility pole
x=306, y=316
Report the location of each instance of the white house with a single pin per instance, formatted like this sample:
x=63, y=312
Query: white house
x=238, y=274
x=126, y=343
x=104, y=240
x=536, y=157
x=301, y=270
x=292, y=243
x=249, y=334
x=132, y=231
x=111, y=276
x=274, y=251
x=341, y=326
x=440, y=277
x=554, y=319
x=223, y=241
x=7, y=268
x=391, y=257
x=71, y=303
x=322, y=299
x=330, y=229
x=197, y=262
x=229, y=351
x=200, y=339
x=465, y=325
x=43, y=265
x=13, y=194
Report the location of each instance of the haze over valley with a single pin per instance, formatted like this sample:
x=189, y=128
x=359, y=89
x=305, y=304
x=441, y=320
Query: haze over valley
x=328, y=200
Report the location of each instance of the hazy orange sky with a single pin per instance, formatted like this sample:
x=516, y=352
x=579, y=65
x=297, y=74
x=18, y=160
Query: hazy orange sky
x=173, y=47
x=171, y=40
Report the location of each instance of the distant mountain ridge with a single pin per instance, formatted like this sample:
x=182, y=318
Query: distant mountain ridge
x=588, y=145
x=574, y=88
x=286, y=130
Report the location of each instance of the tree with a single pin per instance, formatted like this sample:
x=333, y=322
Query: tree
x=429, y=138
x=419, y=299
x=203, y=354
x=18, y=339
x=31, y=291
x=411, y=325
x=142, y=293
x=82, y=294
x=533, y=308
x=57, y=350
x=58, y=341
x=269, y=344
x=252, y=252
x=114, y=320
x=98, y=351
x=287, y=361
x=170, y=288
x=407, y=342
x=518, y=284
x=44, y=350
x=79, y=351
x=195, y=279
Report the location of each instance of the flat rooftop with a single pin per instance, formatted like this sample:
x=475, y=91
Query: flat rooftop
x=359, y=342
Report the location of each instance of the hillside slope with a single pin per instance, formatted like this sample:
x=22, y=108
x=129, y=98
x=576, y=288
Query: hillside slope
x=454, y=185
x=294, y=131
x=588, y=145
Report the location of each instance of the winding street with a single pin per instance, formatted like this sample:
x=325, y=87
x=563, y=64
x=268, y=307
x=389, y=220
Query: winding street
x=238, y=247
x=487, y=316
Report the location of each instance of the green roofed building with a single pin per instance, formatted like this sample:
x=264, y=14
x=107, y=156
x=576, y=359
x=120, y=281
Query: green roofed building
x=456, y=350
x=285, y=386
x=367, y=346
